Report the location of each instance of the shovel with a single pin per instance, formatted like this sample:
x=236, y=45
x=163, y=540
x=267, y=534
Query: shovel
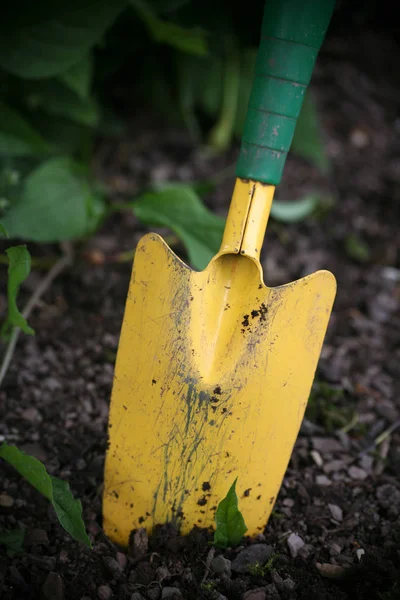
x=214, y=368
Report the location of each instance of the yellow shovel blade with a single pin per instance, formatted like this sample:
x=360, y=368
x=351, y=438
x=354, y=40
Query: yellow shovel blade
x=212, y=378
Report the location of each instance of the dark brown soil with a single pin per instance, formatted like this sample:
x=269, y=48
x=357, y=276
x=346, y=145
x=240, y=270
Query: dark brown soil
x=341, y=493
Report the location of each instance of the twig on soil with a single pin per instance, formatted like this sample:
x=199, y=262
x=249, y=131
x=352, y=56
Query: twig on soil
x=381, y=437
x=209, y=560
x=43, y=286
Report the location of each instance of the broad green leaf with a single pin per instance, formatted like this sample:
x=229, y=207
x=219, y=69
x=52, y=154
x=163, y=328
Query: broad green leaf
x=13, y=540
x=31, y=469
x=55, y=98
x=230, y=525
x=43, y=39
x=307, y=140
x=78, y=78
x=57, y=204
x=191, y=41
x=180, y=209
x=19, y=267
x=296, y=210
x=68, y=510
x=17, y=136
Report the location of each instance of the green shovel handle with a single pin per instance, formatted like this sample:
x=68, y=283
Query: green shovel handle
x=291, y=36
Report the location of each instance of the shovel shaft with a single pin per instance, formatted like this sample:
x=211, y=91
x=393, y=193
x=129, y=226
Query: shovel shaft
x=291, y=36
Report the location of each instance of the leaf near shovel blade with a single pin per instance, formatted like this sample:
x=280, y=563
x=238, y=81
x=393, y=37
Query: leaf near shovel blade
x=230, y=525
x=179, y=208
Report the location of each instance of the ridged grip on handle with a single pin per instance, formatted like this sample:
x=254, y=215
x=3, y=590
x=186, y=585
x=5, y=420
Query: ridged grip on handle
x=291, y=36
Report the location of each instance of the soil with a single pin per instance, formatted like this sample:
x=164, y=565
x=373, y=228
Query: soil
x=335, y=530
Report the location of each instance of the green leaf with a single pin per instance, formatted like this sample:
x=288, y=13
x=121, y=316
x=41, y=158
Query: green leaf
x=78, y=78
x=180, y=209
x=307, y=140
x=31, y=469
x=230, y=525
x=13, y=540
x=19, y=267
x=17, y=137
x=191, y=41
x=296, y=210
x=3, y=231
x=55, y=98
x=68, y=510
x=57, y=204
x=44, y=39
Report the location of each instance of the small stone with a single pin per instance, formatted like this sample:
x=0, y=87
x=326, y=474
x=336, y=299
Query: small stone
x=53, y=587
x=305, y=551
x=104, y=592
x=294, y=543
x=289, y=584
x=6, y=501
x=153, y=593
x=322, y=480
x=257, y=553
x=359, y=138
x=357, y=473
x=331, y=571
x=277, y=580
x=137, y=596
x=288, y=502
x=63, y=557
x=389, y=498
x=32, y=415
x=336, y=512
x=171, y=593
x=334, y=466
x=256, y=594
x=162, y=573
x=326, y=445
x=317, y=458
x=272, y=592
x=36, y=537
x=47, y=563
x=122, y=560
x=221, y=565
x=221, y=597
x=360, y=553
x=387, y=410
x=366, y=463
x=335, y=549
x=112, y=566
x=138, y=543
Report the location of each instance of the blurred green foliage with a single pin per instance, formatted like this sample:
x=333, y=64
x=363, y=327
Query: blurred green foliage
x=59, y=64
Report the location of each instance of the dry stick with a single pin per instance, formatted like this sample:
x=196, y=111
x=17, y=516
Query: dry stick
x=43, y=286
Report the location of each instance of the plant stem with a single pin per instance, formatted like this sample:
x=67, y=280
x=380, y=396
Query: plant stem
x=43, y=286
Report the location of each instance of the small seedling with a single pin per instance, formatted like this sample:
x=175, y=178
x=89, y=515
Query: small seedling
x=260, y=570
x=208, y=586
x=230, y=525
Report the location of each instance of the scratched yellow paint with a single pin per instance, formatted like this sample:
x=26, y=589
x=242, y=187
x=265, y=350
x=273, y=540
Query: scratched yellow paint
x=212, y=378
